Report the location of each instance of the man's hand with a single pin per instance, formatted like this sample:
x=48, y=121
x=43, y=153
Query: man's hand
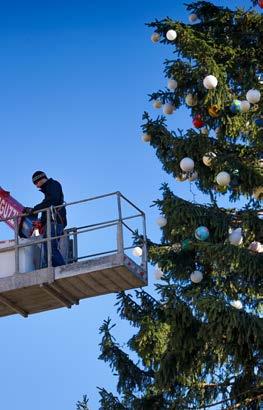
x=28, y=210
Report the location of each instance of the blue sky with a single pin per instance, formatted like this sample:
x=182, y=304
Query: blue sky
x=74, y=82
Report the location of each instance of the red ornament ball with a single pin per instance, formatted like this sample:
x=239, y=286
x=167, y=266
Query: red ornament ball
x=260, y=3
x=198, y=122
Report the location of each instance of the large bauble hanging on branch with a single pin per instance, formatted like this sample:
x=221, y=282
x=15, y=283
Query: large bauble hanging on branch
x=202, y=233
x=223, y=178
x=258, y=193
x=210, y=82
x=168, y=108
x=155, y=37
x=191, y=100
x=186, y=244
x=137, y=251
x=236, y=304
x=259, y=122
x=236, y=238
x=207, y=158
x=244, y=106
x=161, y=221
x=187, y=164
x=172, y=84
x=146, y=137
x=171, y=35
x=256, y=247
x=157, y=104
x=253, y=96
x=192, y=18
x=214, y=111
x=198, y=121
x=196, y=276
x=235, y=107
x=204, y=130
x=260, y=3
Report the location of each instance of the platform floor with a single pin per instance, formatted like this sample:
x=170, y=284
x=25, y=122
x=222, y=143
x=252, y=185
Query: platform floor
x=48, y=289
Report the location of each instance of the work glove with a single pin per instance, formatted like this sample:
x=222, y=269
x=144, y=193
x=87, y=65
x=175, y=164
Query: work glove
x=28, y=210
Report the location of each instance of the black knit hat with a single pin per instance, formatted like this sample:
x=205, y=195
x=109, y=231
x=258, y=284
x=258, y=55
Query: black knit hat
x=37, y=176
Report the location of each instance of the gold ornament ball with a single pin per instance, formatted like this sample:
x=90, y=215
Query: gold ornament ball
x=191, y=100
x=155, y=37
x=214, y=111
x=146, y=137
x=157, y=104
x=168, y=109
x=258, y=193
x=207, y=158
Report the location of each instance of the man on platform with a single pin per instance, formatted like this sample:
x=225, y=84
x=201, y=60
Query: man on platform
x=54, y=196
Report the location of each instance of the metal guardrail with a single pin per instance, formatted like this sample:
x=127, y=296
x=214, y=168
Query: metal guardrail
x=76, y=231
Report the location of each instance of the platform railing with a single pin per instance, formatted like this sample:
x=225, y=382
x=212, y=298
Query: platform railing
x=120, y=222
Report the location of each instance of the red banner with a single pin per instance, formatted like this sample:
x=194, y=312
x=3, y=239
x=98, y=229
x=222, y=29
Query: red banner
x=9, y=207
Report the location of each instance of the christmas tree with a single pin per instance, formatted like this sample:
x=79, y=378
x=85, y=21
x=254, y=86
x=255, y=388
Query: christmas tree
x=199, y=339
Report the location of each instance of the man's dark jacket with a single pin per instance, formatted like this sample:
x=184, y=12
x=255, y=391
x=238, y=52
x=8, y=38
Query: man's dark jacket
x=53, y=196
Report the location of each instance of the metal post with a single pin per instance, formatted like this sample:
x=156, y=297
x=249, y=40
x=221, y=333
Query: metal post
x=120, y=242
x=16, y=246
x=144, y=248
x=75, y=244
x=49, y=248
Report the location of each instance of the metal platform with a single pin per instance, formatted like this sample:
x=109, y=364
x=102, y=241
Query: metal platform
x=47, y=289
x=31, y=291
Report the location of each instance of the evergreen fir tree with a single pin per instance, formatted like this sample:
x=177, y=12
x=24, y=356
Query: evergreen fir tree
x=83, y=405
x=200, y=341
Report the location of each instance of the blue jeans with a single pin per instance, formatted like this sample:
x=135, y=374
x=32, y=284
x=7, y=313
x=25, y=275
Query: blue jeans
x=57, y=259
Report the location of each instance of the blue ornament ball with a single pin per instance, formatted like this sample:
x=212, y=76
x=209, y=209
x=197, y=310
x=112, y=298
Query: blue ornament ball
x=202, y=233
x=235, y=107
x=259, y=122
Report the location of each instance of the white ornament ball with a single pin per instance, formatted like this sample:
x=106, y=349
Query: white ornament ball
x=207, y=158
x=193, y=177
x=168, y=108
x=137, y=251
x=236, y=304
x=187, y=164
x=146, y=138
x=196, y=276
x=244, y=106
x=157, y=104
x=191, y=100
x=223, y=178
x=155, y=37
x=172, y=84
x=158, y=273
x=253, y=96
x=171, y=35
x=236, y=238
x=204, y=130
x=256, y=247
x=161, y=221
x=210, y=82
x=192, y=18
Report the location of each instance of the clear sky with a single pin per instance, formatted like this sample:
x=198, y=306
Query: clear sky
x=74, y=82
